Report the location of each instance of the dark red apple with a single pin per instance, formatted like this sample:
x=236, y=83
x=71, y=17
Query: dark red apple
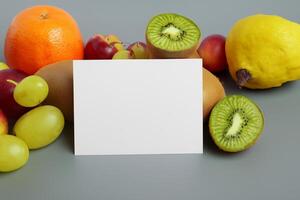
x=212, y=51
x=139, y=50
x=98, y=47
x=8, y=81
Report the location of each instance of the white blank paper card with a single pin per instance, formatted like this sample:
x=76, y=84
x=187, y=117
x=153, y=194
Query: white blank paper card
x=126, y=107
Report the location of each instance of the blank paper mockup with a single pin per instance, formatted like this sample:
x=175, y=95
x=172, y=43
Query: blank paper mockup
x=138, y=107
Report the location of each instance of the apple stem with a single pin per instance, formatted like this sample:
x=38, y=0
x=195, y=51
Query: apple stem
x=12, y=81
x=243, y=76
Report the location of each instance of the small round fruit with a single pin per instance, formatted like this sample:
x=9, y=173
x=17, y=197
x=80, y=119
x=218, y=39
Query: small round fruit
x=235, y=123
x=40, y=126
x=171, y=35
x=31, y=91
x=213, y=92
x=123, y=54
x=98, y=47
x=3, y=66
x=14, y=153
x=139, y=50
x=212, y=51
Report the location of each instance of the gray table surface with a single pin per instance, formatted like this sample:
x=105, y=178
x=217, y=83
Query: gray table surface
x=269, y=170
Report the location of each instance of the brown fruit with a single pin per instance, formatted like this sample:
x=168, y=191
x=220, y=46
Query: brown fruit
x=195, y=55
x=213, y=92
x=59, y=77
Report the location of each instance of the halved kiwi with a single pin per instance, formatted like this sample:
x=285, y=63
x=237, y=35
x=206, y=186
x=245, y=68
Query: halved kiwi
x=172, y=36
x=235, y=123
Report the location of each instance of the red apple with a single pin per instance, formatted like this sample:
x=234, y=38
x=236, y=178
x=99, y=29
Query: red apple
x=139, y=50
x=8, y=81
x=212, y=51
x=3, y=124
x=98, y=47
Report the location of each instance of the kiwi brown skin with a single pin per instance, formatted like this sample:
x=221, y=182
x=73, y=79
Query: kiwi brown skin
x=223, y=148
x=213, y=92
x=59, y=77
x=162, y=54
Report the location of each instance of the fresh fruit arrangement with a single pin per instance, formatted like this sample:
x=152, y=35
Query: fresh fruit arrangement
x=36, y=128
x=111, y=47
x=36, y=84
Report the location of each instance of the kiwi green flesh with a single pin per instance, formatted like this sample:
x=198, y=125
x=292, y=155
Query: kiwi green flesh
x=235, y=123
x=172, y=32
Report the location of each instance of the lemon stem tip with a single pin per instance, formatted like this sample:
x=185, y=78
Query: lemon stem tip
x=243, y=76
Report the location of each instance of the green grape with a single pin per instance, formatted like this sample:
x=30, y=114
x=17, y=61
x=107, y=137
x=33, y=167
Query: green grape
x=123, y=54
x=40, y=126
x=31, y=91
x=3, y=66
x=14, y=153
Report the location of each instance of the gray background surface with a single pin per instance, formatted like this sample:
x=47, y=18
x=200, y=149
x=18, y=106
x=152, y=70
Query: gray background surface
x=269, y=170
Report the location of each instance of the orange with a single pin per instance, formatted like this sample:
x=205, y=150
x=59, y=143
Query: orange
x=42, y=35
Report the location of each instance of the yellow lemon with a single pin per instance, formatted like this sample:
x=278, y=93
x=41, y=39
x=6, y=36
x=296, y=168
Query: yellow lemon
x=263, y=51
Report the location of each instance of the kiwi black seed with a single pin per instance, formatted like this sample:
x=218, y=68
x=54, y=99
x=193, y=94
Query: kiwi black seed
x=172, y=36
x=235, y=123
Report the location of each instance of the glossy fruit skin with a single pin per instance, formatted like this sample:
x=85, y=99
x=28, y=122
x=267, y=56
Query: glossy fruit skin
x=123, y=54
x=139, y=50
x=3, y=124
x=263, y=51
x=31, y=91
x=41, y=35
x=14, y=153
x=98, y=47
x=8, y=104
x=59, y=77
x=212, y=51
x=40, y=126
